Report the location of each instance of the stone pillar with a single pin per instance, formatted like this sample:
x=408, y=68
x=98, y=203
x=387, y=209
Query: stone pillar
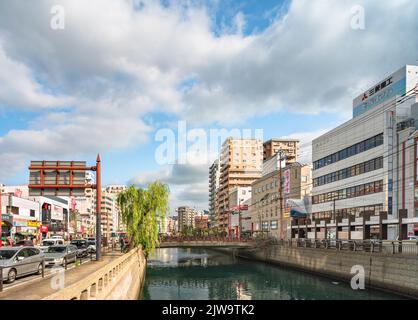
x=403, y=228
x=383, y=227
x=366, y=227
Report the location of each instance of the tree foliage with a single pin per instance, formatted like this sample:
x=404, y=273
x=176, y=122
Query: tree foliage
x=142, y=209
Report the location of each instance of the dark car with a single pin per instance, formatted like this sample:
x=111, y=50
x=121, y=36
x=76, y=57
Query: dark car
x=82, y=248
x=24, y=243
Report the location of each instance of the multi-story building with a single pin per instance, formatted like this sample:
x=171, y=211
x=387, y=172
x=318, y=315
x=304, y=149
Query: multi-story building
x=241, y=164
x=368, y=164
x=201, y=221
x=239, y=204
x=84, y=207
x=186, y=217
x=117, y=220
x=108, y=211
x=290, y=147
x=20, y=216
x=172, y=226
x=270, y=203
x=214, y=175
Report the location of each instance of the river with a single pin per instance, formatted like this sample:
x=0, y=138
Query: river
x=199, y=274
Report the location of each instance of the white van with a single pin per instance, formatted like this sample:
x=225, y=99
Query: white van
x=46, y=243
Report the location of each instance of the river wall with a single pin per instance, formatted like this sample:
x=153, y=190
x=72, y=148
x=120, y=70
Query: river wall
x=393, y=273
x=120, y=279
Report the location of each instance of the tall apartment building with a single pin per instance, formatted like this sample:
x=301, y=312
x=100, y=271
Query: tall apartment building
x=214, y=176
x=241, y=163
x=271, y=204
x=369, y=163
x=186, y=217
x=289, y=146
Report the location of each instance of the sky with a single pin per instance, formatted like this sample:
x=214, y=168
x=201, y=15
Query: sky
x=123, y=78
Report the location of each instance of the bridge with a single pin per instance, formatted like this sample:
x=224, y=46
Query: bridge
x=178, y=242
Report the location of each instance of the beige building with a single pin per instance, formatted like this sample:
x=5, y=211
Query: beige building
x=108, y=210
x=186, y=217
x=115, y=190
x=241, y=164
x=289, y=146
x=270, y=206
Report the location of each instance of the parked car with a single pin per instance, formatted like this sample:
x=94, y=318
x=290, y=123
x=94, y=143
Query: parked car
x=24, y=243
x=20, y=261
x=57, y=237
x=46, y=243
x=91, y=246
x=91, y=239
x=413, y=238
x=60, y=255
x=81, y=248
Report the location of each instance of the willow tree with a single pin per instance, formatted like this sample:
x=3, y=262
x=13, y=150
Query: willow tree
x=142, y=210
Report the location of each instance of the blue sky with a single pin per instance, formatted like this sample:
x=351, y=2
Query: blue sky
x=109, y=84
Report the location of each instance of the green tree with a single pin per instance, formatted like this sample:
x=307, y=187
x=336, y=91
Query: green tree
x=142, y=210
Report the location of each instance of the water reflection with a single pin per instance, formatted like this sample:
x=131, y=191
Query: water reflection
x=197, y=274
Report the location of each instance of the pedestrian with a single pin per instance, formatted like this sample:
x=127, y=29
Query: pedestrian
x=122, y=244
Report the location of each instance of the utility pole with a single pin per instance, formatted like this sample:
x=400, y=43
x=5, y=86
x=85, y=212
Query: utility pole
x=239, y=217
x=98, y=209
x=280, y=154
x=1, y=220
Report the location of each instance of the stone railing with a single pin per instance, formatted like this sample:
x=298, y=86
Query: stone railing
x=119, y=279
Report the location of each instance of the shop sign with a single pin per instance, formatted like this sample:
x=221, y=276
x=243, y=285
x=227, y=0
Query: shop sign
x=34, y=224
x=44, y=229
x=287, y=182
x=7, y=217
x=57, y=213
x=20, y=223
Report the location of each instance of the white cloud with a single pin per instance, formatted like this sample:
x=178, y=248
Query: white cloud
x=19, y=89
x=188, y=184
x=305, y=146
x=118, y=65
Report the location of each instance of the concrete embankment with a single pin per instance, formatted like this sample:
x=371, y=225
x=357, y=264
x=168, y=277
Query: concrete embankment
x=393, y=273
x=121, y=279
x=115, y=277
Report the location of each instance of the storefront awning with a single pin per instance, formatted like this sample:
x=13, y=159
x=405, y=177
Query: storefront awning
x=297, y=214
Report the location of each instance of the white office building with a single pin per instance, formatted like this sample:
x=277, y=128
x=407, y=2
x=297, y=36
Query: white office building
x=369, y=163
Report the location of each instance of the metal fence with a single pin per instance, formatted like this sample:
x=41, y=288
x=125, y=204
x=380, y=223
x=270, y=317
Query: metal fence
x=91, y=256
x=386, y=247
x=204, y=239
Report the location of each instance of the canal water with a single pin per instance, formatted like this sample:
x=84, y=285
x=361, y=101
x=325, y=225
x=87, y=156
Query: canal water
x=199, y=274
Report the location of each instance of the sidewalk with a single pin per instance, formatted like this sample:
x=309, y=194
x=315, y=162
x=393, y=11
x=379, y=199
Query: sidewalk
x=41, y=288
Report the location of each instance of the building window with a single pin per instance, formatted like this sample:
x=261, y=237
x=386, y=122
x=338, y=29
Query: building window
x=265, y=226
x=32, y=213
x=350, y=151
x=349, y=172
x=274, y=225
x=353, y=192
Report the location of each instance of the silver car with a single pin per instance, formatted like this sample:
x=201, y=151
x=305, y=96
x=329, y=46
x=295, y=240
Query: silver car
x=60, y=255
x=20, y=261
